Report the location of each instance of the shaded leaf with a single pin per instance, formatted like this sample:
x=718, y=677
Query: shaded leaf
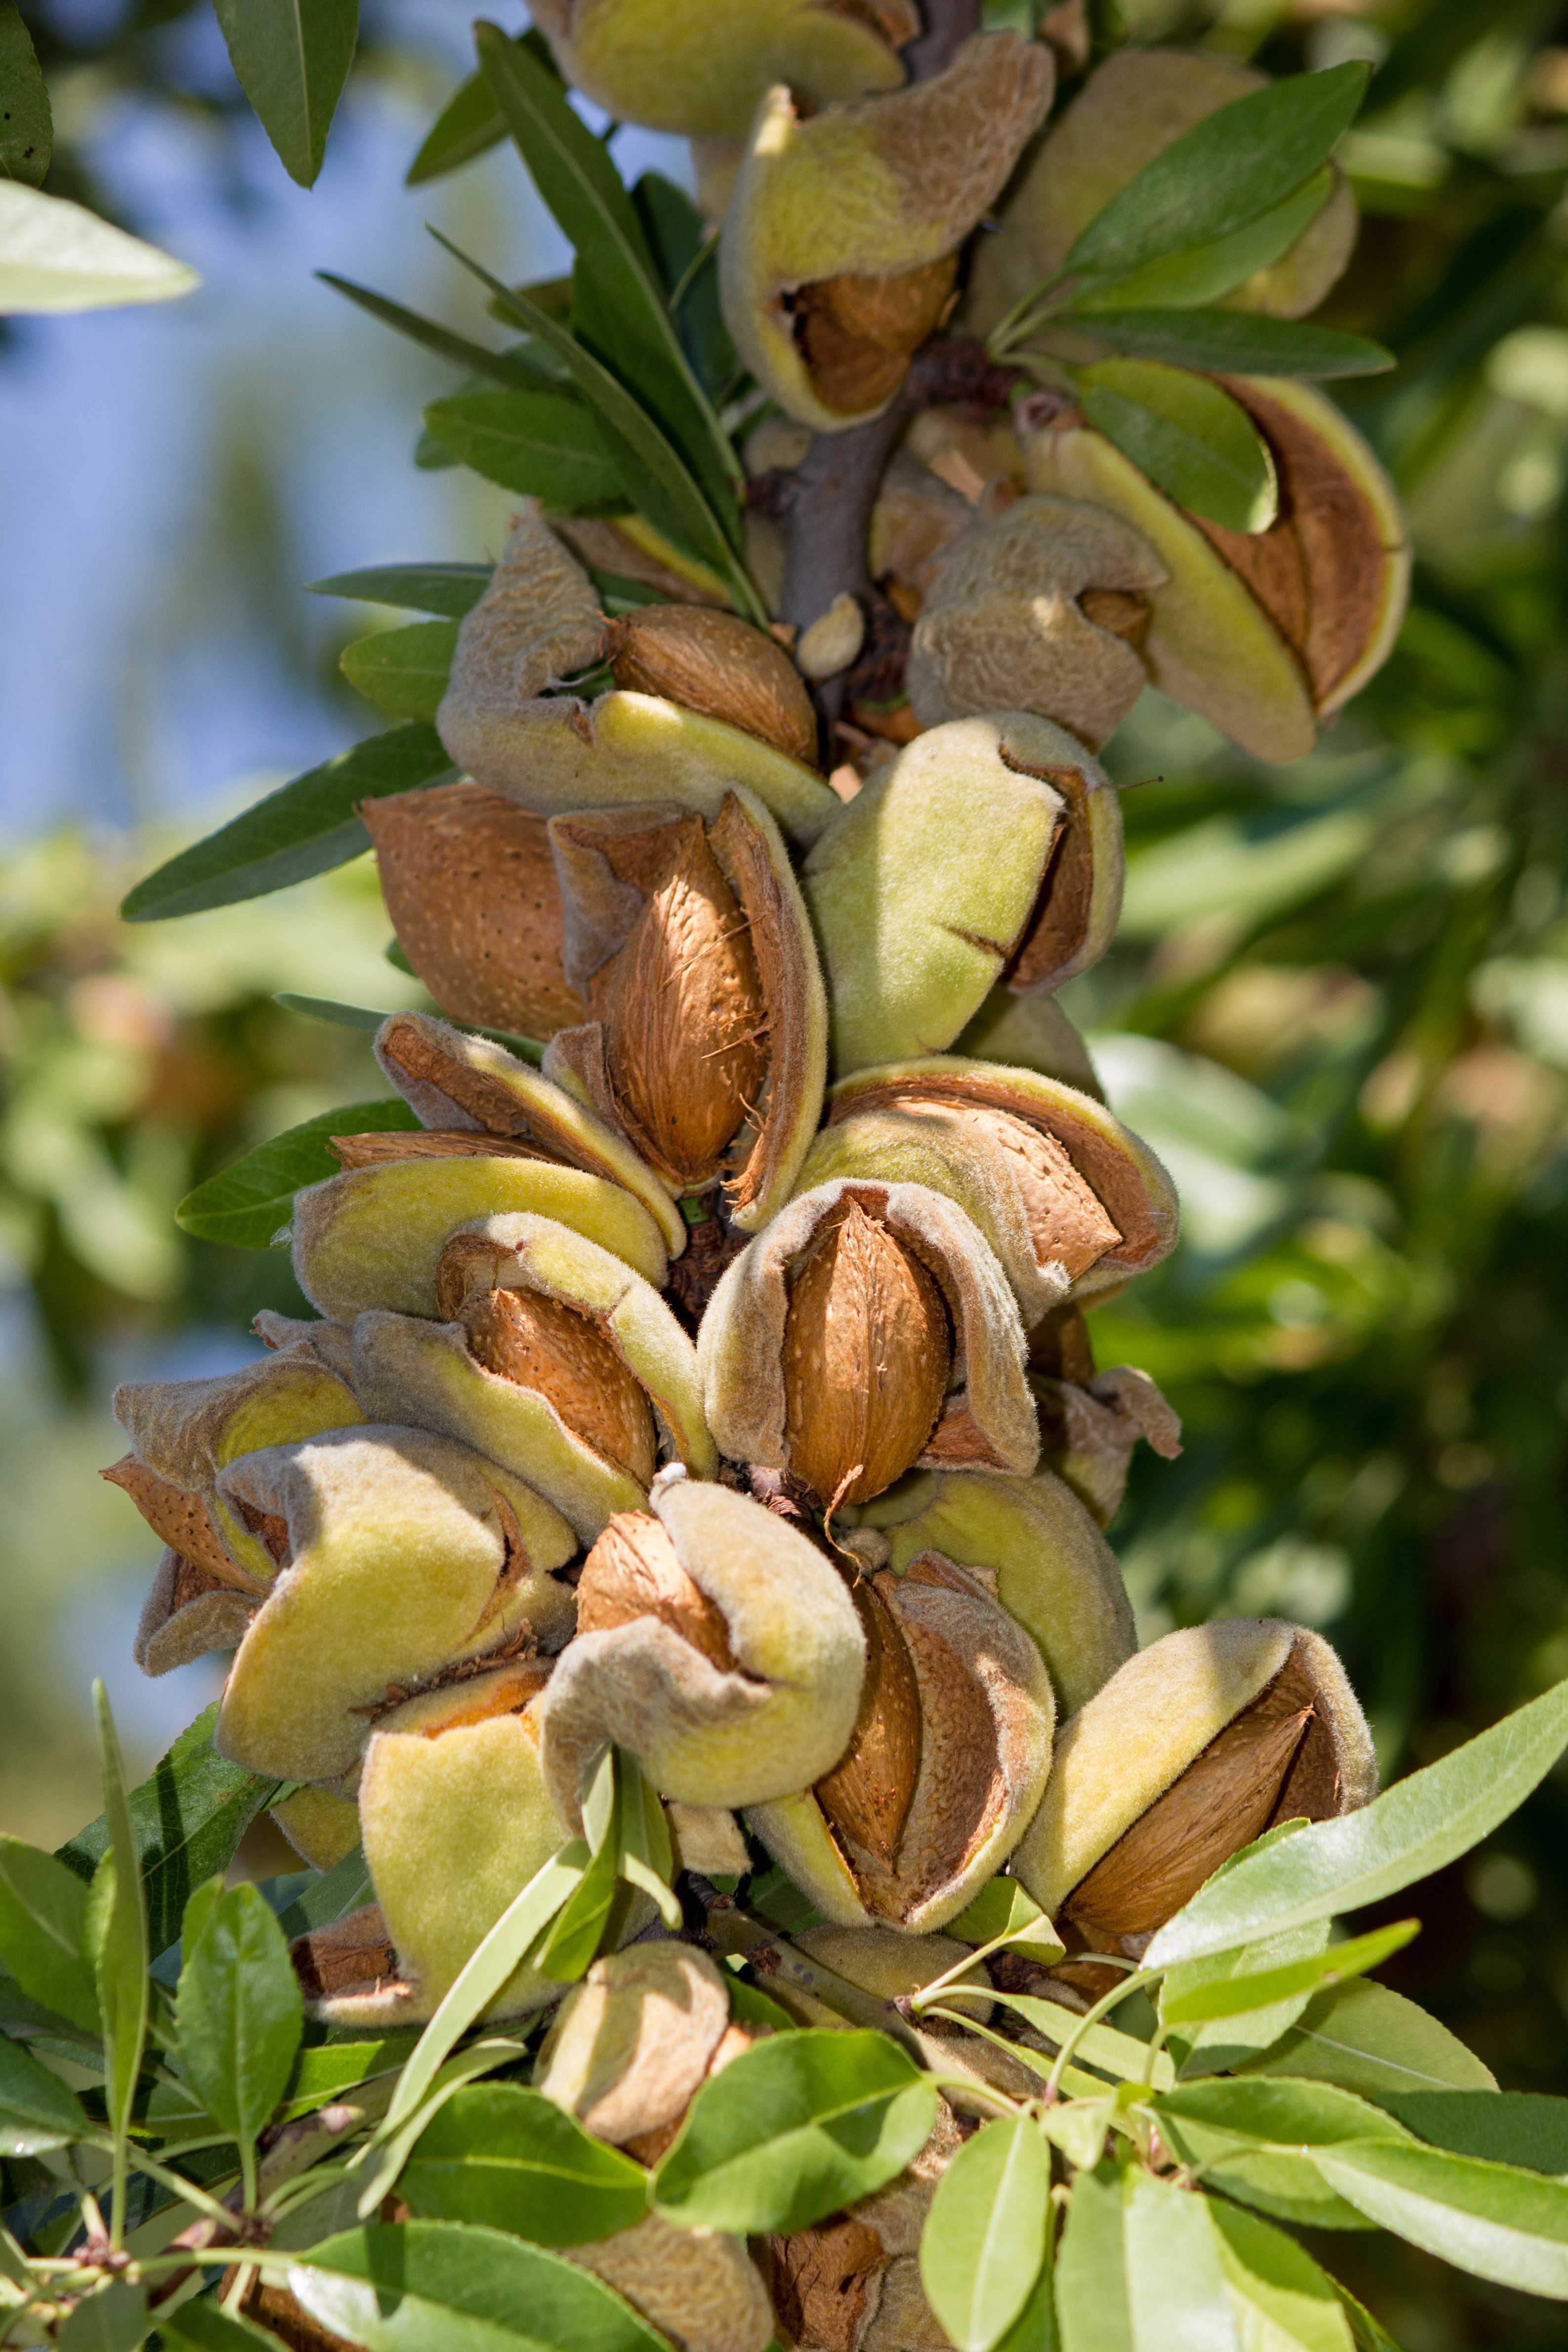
x=1188, y=435
x=429, y=2285
x=1204, y=272
x=200, y=2324
x=338, y=2068
x=36, y=2110
x=1522, y=2127
x=239, y=2011
x=1034, y=2329
x=43, y=1905
x=1238, y=163
x=1240, y=342
x=796, y=2127
x=449, y=589
x=985, y=2236
x=26, y=124
x=1102, y=2046
x=577, y=179
x=1003, y=1909
x=1412, y=1829
x=393, y=2143
x=1370, y=2040
x=404, y=670
x=469, y=123
x=114, y=2319
x=187, y=1820
x=57, y=256
x=245, y=1206
x=653, y=473
x=542, y=445
x=505, y=2155
x=305, y=827
x=291, y=59
x=1258, y=2139
x=1487, y=2218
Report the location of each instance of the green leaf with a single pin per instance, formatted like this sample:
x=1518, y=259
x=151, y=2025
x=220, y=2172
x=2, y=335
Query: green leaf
x=645, y=1858
x=469, y=123
x=653, y=473
x=749, y=2005
x=113, y=2320
x=437, y=2286
x=291, y=59
x=238, y=2012
x=483, y=1974
x=1204, y=272
x=572, y=1941
x=115, y=1932
x=335, y=2069
x=1221, y=2045
x=305, y=827
x=338, y=1891
x=1367, y=2039
x=1188, y=435
x=1034, y=2329
x=544, y=445
x=1122, y=2055
x=500, y=2154
x=247, y=1204
x=1485, y=2218
x=1279, y=2281
x=450, y=589
x=1522, y=2127
x=1412, y=1829
x=1004, y=1909
x=796, y=2127
x=1240, y=342
x=404, y=670
x=575, y=175
x=1262, y=1988
x=57, y=256
x=1090, y=2269
x=26, y=124
x=392, y=2145
x=186, y=1820
x=1178, y=2299
x=43, y=1905
x=1236, y=164
x=36, y=2111
x=984, y=2237
x=1258, y=2139
x=203, y=2327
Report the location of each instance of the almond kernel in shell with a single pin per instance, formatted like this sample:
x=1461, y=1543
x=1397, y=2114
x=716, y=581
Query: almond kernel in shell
x=381, y=1145
x=867, y=1795
x=713, y=663
x=857, y=333
x=866, y=1359
x=633, y=1572
x=542, y=1343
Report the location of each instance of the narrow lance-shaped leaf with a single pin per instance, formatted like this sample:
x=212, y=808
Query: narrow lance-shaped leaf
x=1237, y=163
x=652, y=471
x=449, y=589
x=1239, y=343
x=573, y=172
x=291, y=59
x=1188, y=435
x=541, y=445
x=469, y=124
x=26, y=124
x=36, y=2111
x=56, y=256
x=1369, y=2039
x=116, y=1937
x=1485, y=2218
x=403, y=670
x=984, y=2237
x=1261, y=1987
x=186, y=1820
x=446, y=344
x=245, y=1206
x=1205, y=272
x=305, y=827
x=1412, y=1829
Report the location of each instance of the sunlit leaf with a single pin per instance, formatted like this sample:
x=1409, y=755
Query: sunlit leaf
x=1488, y=2219
x=984, y=2237
x=57, y=256
x=502, y=2154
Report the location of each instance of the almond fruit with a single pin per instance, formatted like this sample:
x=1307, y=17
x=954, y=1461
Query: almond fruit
x=684, y=1017
x=866, y=1359
x=542, y=1343
x=470, y=886
x=867, y=1795
x=713, y=663
x=372, y=1150
x=633, y=1572
x=1224, y=1798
